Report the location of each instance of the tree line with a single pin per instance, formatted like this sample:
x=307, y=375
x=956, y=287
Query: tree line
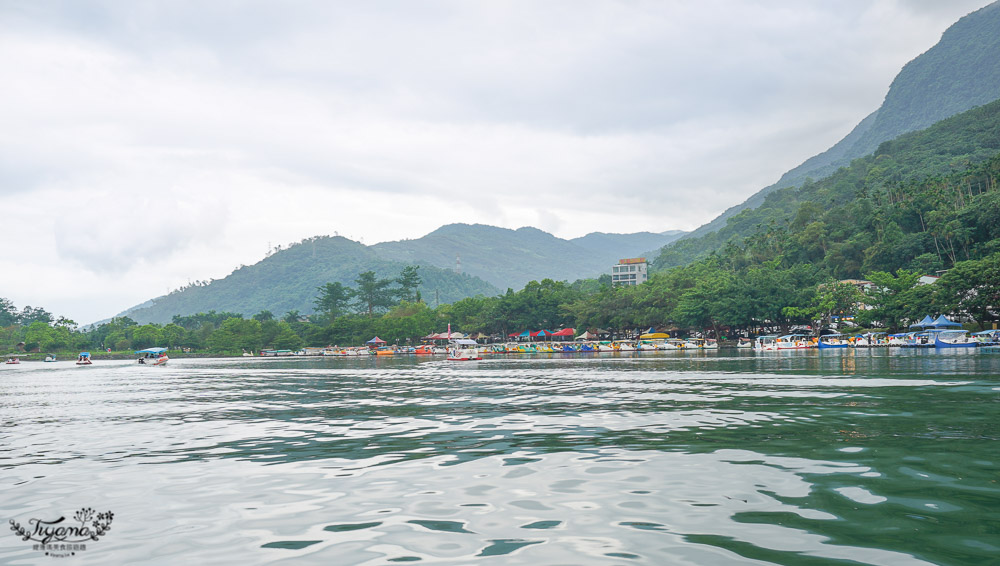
x=725, y=295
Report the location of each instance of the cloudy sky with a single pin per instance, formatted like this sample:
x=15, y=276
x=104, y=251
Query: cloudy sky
x=148, y=144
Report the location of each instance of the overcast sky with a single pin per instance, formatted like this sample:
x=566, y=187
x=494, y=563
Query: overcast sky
x=144, y=145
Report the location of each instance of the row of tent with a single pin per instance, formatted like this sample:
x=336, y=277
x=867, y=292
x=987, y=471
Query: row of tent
x=940, y=323
x=543, y=333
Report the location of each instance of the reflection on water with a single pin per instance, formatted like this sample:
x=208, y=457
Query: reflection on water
x=709, y=458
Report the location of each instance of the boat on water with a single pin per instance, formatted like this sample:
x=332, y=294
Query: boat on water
x=83, y=359
x=425, y=350
x=152, y=357
x=743, y=343
x=833, y=342
x=794, y=342
x=264, y=353
x=767, y=343
x=463, y=350
x=987, y=337
x=701, y=344
x=954, y=339
x=50, y=358
x=12, y=360
x=918, y=340
x=871, y=340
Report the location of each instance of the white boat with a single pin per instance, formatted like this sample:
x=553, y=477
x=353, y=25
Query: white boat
x=152, y=356
x=702, y=344
x=794, y=342
x=50, y=358
x=12, y=360
x=463, y=350
x=744, y=343
x=767, y=343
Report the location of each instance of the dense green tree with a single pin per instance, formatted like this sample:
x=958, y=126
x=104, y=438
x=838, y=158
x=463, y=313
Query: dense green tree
x=408, y=281
x=173, y=335
x=236, y=334
x=332, y=300
x=263, y=315
x=892, y=299
x=147, y=336
x=971, y=288
x=372, y=294
x=831, y=299
x=29, y=315
x=8, y=313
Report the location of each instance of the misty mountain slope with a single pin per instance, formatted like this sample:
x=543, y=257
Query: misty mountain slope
x=493, y=259
x=617, y=246
x=961, y=71
x=954, y=145
x=287, y=280
x=511, y=258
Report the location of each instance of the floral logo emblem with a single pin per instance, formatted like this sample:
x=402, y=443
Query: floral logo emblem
x=64, y=538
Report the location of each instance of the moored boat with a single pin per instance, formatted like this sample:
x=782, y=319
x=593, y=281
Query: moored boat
x=768, y=343
x=832, y=342
x=954, y=339
x=463, y=350
x=794, y=342
x=987, y=337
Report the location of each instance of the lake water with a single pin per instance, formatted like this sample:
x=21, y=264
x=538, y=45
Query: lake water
x=866, y=457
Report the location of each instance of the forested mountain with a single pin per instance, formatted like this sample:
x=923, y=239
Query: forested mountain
x=288, y=279
x=922, y=201
x=510, y=258
x=617, y=246
x=961, y=71
x=492, y=259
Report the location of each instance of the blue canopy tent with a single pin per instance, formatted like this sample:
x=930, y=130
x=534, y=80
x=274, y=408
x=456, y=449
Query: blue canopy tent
x=927, y=321
x=943, y=322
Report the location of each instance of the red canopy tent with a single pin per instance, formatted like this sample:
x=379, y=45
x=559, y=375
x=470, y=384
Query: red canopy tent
x=564, y=332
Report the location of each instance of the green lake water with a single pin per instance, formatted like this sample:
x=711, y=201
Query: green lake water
x=867, y=457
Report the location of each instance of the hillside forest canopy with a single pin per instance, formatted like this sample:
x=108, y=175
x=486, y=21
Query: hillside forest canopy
x=926, y=203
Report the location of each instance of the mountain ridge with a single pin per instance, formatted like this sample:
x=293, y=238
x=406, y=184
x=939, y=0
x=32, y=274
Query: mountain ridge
x=961, y=71
x=287, y=279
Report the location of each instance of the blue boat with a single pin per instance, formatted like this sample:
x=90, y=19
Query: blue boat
x=954, y=339
x=832, y=341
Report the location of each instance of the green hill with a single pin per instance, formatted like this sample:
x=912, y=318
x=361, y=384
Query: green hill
x=922, y=201
x=492, y=259
x=961, y=71
x=511, y=258
x=287, y=280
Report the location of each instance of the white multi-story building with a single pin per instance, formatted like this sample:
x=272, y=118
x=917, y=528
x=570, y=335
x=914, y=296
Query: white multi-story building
x=632, y=271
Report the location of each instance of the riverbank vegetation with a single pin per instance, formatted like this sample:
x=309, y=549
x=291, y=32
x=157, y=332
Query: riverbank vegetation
x=925, y=204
